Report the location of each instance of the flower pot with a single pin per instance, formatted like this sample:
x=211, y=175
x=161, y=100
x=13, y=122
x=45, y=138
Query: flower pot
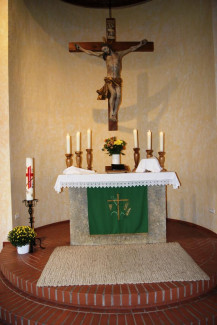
x=23, y=249
x=116, y=159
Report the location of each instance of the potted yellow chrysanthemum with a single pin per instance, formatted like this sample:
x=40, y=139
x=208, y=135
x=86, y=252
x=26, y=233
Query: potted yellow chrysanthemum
x=21, y=237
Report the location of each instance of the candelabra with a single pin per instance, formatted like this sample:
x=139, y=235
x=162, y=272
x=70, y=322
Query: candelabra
x=68, y=159
x=78, y=158
x=162, y=160
x=89, y=158
x=149, y=153
x=30, y=204
x=136, y=157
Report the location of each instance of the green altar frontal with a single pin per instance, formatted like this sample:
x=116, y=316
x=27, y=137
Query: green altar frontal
x=119, y=210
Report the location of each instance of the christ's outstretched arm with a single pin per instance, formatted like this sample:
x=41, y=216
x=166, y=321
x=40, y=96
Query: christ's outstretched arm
x=78, y=47
x=132, y=48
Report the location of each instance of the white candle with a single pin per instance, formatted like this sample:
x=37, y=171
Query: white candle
x=149, y=140
x=135, y=136
x=29, y=179
x=88, y=139
x=161, y=141
x=78, y=141
x=68, y=146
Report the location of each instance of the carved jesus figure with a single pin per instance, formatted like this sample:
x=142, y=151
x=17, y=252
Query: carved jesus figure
x=113, y=81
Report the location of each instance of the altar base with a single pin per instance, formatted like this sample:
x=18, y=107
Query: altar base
x=79, y=226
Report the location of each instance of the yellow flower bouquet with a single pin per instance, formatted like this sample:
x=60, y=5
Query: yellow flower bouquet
x=114, y=146
x=21, y=235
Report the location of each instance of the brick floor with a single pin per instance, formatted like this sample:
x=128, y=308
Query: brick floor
x=21, y=302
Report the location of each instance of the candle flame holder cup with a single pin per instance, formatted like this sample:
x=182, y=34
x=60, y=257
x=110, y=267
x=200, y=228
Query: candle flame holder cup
x=89, y=158
x=162, y=160
x=78, y=158
x=136, y=158
x=149, y=153
x=68, y=159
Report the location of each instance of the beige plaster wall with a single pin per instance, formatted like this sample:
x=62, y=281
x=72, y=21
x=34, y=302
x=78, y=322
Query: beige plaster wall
x=5, y=185
x=214, y=27
x=53, y=92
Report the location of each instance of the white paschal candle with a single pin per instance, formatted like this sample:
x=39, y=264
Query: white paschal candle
x=161, y=141
x=149, y=140
x=89, y=139
x=29, y=179
x=135, y=136
x=68, y=146
x=78, y=141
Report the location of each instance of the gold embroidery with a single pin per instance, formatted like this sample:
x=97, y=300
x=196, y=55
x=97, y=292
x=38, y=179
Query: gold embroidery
x=118, y=201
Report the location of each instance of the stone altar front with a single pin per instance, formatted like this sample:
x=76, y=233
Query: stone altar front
x=79, y=226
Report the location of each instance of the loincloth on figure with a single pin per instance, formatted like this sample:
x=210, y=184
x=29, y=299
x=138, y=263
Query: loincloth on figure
x=103, y=92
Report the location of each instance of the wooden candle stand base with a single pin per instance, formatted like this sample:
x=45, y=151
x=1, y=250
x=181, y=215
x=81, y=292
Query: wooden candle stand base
x=149, y=153
x=136, y=158
x=162, y=160
x=68, y=159
x=89, y=159
x=78, y=158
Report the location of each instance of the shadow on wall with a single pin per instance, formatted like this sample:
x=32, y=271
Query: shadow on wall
x=145, y=104
x=65, y=22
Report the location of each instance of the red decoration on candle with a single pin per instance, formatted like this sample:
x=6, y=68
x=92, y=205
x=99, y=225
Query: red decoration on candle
x=29, y=174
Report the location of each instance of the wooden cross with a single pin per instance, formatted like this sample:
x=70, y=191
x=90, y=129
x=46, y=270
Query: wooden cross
x=116, y=47
x=118, y=201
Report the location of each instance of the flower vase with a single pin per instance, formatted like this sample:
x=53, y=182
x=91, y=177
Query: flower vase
x=23, y=249
x=116, y=159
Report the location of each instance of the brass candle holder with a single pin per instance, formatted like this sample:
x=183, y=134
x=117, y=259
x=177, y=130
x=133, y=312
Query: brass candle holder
x=89, y=159
x=149, y=153
x=68, y=159
x=136, y=157
x=162, y=160
x=78, y=158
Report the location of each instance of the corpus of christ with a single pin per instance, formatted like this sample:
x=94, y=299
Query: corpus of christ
x=112, y=53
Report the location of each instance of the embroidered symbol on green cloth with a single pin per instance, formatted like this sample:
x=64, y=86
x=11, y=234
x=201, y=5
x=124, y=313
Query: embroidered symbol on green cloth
x=125, y=211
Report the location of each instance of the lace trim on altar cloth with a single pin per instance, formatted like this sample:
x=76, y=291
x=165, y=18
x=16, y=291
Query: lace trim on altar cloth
x=117, y=180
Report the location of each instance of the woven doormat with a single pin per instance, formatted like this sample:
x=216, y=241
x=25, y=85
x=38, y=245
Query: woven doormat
x=110, y=264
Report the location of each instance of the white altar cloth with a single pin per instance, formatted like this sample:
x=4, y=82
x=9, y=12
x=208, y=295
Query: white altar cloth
x=116, y=180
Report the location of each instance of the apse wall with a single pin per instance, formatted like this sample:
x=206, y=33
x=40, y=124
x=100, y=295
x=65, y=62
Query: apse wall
x=5, y=181
x=53, y=92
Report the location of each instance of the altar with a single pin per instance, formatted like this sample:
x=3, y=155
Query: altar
x=156, y=193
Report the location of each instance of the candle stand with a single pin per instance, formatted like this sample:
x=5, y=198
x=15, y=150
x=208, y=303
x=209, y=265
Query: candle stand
x=30, y=204
x=78, y=158
x=89, y=159
x=68, y=159
x=136, y=157
x=149, y=153
x=162, y=160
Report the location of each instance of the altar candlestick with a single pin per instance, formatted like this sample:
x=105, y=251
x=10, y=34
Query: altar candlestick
x=149, y=140
x=88, y=139
x=78, y=141
x=161, y=141
x=29, y=179
x=135, y=136
x=68, y=144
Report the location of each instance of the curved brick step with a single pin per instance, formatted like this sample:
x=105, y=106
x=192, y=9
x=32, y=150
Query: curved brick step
x=20, y=308
x=106, y=296
x=23, y=272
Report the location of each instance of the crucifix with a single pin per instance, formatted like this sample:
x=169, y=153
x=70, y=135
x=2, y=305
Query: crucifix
x=112, y=52
x=118, y=202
